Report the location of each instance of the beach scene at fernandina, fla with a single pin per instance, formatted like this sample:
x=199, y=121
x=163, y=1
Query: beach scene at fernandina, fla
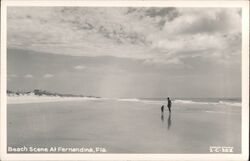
x=116, y=80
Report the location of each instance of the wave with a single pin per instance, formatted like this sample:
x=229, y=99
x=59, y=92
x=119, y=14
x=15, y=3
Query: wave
x=184, y=101
x=228, y=103
x=140, y=100
x=129, y=100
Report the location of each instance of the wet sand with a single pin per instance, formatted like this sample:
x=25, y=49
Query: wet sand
x=124, y=127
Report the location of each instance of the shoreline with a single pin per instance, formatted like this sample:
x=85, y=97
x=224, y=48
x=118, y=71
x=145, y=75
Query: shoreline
x=43, y=99
x=27, y=99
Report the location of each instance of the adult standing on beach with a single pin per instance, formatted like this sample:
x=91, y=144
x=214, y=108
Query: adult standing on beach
x=169, y=104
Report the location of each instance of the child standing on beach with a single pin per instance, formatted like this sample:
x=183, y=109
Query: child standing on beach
x=162, y=108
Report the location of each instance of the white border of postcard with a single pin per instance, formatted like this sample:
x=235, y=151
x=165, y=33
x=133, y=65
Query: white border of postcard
x=245, y=81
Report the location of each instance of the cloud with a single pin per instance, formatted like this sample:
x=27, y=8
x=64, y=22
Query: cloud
x=28, y=76
x=12, y=76
x=155, y=35
x=193, y=21
x=48, y=76
x=79, y=67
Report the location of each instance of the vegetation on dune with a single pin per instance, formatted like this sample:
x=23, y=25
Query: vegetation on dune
x=38, y=92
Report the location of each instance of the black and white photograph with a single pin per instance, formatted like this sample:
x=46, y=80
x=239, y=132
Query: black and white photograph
x=124, y=80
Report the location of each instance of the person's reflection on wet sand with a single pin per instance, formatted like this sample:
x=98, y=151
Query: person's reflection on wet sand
x=169, y=121
x=162, y=117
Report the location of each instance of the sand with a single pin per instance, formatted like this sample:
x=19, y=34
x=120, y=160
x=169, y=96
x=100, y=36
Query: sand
x=25, y=99
x=124, y=126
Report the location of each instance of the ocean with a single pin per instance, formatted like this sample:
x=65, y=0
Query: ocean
x=205, y=101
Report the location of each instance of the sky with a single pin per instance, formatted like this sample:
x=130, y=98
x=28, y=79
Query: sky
x=125, y=52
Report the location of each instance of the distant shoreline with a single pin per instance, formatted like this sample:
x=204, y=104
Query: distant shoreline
x=41, y=99
x=39, y=92
x=40, y=96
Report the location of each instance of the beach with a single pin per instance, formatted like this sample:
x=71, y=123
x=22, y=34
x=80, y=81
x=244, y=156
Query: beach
x=124, y=126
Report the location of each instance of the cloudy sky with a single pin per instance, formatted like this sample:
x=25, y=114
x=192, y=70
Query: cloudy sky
x=125, y=52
